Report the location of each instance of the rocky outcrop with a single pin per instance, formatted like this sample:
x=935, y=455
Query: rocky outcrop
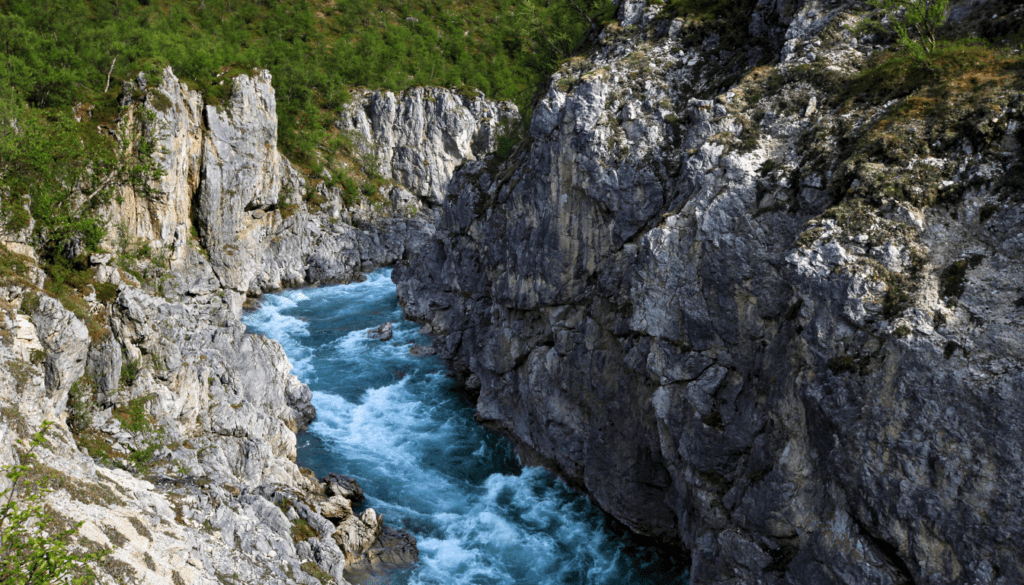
x=418, y=137
x=309, y=249
x=244, y=176
x=223, y=179
x=66, y=342
x=690, y=295
x=206, y=413
x=162, y=213
x=176, y=391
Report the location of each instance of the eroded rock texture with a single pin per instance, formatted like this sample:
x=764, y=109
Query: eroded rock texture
x=418, y=137
x=690, y=295
x=177, y=392
x=227, y=188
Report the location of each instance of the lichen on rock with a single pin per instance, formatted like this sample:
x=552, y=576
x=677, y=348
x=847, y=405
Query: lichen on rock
x=728, y=288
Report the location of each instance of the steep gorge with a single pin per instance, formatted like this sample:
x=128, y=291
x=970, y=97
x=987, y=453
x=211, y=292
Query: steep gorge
x=771, y=325
x=174, y=440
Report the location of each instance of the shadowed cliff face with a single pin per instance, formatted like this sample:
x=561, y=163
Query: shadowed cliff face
x=738, y=316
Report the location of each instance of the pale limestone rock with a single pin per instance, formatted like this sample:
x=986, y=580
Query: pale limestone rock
x=66, y=341
x=161, y=214
x=26, y=340
x=242, y=172
x=421, y=135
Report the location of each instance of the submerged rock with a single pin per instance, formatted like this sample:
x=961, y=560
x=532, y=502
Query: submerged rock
x=383, y=332
x=422, y=350
x=344, y=486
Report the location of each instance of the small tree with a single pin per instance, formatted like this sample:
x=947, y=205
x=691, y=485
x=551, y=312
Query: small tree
x=28, y=554
x=910, y=18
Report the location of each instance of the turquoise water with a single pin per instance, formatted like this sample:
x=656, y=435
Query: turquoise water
x=393, y=421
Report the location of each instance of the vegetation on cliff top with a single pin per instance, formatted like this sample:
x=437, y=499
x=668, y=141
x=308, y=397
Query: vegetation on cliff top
x=62, y=65
x=68, y=51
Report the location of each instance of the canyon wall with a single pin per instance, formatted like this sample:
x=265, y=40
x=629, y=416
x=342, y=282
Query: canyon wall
x=174, y=440
x=750, y=310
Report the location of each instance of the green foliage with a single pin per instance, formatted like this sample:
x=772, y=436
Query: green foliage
x=129, y=371
x=313, y=570
x=510, y=134
x=30, y=303
x=133, y=416
x=81, y=51
x=32, y=552
x=141, y=458
x=941, y=72
x=80, y=404
x=106, y=292
x=134, y=419
x=552, y=31
x=907, y=19
x=301, y=530
x=708, y=8
x=62, y=171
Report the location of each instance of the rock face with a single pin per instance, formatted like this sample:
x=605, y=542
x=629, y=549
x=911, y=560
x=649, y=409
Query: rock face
x=693, y=302
x=225, y=181
x=419, y=136
x=163, y=214
x=244, y=177
x=66, y=341
x=207, y=413
x=171, y=387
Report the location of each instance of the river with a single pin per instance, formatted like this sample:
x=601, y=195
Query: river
x=395, y=423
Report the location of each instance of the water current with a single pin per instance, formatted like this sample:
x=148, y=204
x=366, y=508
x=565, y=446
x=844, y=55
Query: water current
x=394, y=422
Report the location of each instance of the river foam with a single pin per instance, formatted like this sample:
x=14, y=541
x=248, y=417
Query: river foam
x=392, y=421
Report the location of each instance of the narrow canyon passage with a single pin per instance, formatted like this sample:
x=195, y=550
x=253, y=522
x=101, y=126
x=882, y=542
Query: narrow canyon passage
x=391, y=420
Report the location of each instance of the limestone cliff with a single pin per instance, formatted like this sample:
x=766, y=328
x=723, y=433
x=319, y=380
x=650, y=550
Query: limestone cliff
x=225, y=180
x=420, y=136
x=175, y=434
x=749, y=314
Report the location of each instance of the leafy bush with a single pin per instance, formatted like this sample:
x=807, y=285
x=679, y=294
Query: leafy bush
x=510, y=133
x=80, y=404
x=913, y=18
x=129, y=371
x=31, y=551
x=63, y=172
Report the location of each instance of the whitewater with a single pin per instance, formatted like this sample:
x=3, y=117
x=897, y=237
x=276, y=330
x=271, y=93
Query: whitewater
x=399, y=425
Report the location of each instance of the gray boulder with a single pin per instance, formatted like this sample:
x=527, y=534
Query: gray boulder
x=382, y=332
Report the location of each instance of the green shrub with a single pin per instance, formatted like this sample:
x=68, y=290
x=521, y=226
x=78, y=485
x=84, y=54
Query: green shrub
x=61, y=52
x=510, y=134
x=34, y=546
x=915, y=23
x=133, y=416
x=80, y=404
x=106, y=292
x=129, y=371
